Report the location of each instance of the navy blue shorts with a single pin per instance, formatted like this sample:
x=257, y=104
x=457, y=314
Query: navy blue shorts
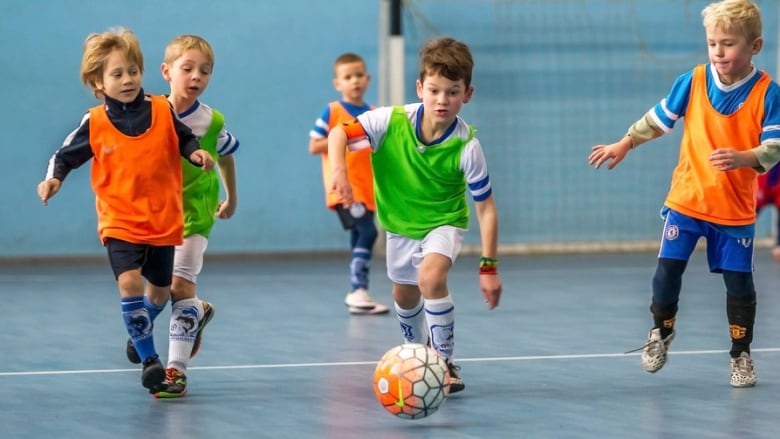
x=156, y=263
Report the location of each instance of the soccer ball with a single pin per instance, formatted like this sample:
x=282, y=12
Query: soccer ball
x=411, y=381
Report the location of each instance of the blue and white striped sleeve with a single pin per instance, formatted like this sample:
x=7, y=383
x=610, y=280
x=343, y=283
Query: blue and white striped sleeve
x=226, y=143
x=474, y=166
x=667, y=112
x=771, y=124
x=321, y=125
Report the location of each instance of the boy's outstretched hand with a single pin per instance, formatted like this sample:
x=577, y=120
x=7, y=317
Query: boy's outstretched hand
x=614, y=153
x=47, y=189
x=203, y=158
x=490, y=284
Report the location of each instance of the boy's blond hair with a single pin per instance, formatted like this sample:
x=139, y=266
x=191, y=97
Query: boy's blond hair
x=447, y=57
x=740, y=16
x=183, y=43
x=98, y=47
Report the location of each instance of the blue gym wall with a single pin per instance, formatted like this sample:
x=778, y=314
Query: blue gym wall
x=552, y=78
x=272, y=79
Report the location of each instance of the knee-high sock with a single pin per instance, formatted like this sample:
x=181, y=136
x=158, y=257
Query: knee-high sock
x=413, y=323
x=185, y=317
x=664, y=317
x=358, y=268
x=153, y=308
x=741, y=312
x=139, y=326
x=440, y=314
x=740, y=309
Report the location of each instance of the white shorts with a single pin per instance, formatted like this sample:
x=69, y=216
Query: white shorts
x=188, y=257
x=404, y=255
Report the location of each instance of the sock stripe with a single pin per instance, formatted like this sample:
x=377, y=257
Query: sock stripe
x=439, y=313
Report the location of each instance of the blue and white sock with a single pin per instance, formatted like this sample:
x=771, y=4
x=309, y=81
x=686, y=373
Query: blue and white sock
x=413, y=323
x=154, y=309
x=358, y=268
x=139, y=326
x=185, y=318
x=440, y=314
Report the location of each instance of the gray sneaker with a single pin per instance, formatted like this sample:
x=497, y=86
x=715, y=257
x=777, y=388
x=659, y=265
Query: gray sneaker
x=742, y=372
x=654, y=351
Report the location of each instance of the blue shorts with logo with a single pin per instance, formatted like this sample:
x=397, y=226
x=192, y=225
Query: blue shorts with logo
x=728, y=247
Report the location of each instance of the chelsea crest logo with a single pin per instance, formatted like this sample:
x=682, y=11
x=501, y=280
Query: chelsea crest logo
x=671, y=233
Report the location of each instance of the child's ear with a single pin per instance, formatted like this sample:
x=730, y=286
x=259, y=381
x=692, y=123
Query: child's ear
x=469, y=94
x=166, y=71
x=757, y=45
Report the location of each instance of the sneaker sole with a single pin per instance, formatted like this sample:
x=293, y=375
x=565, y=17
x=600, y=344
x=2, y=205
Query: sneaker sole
x=208, y=315
x=368, y=311
x=456, y=387
x=166, y=395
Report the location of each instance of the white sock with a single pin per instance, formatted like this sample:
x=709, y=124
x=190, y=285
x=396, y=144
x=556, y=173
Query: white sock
x=185, y=316
x=413, y=324
x=440, y=314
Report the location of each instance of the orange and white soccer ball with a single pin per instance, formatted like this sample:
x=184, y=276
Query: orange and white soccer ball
x=411, y=381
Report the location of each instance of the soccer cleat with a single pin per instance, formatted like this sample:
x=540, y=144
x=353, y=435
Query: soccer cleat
x=456, y=382
x=153, y=375
x=361, y=302
x=132, y=354
x=175, y=385
x=654, y=351
x=208, y=314
x=742, y=372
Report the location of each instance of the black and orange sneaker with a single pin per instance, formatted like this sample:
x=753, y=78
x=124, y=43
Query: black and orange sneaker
x=208, y=314
x=175, y=385
x=456, y=382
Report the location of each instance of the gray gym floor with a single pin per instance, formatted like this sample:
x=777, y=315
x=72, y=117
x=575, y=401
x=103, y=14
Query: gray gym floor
x=283, y=358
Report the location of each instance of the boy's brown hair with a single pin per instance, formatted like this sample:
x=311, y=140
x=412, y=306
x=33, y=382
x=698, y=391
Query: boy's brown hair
x=97, y=48
x=347, y=58
x=447, y=57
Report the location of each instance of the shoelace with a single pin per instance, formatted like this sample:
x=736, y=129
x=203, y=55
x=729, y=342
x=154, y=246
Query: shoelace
x=743, y=365
x=171, y=375
x=654, y=345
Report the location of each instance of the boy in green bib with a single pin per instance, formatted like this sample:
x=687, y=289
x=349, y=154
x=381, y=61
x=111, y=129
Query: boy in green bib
x=188, y=66
x=425, y=160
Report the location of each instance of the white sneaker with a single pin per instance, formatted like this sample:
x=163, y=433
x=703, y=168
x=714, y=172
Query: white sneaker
x=654, y=351
x=361, y=302
x=742, y=372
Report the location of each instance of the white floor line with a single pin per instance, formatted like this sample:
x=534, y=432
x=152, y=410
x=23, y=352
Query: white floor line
x=367, y=363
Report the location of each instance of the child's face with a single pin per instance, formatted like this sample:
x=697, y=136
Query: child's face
x=351, y=79
x=121, y=78
x=188, y=75
x=731, y=53
x=442, y=98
